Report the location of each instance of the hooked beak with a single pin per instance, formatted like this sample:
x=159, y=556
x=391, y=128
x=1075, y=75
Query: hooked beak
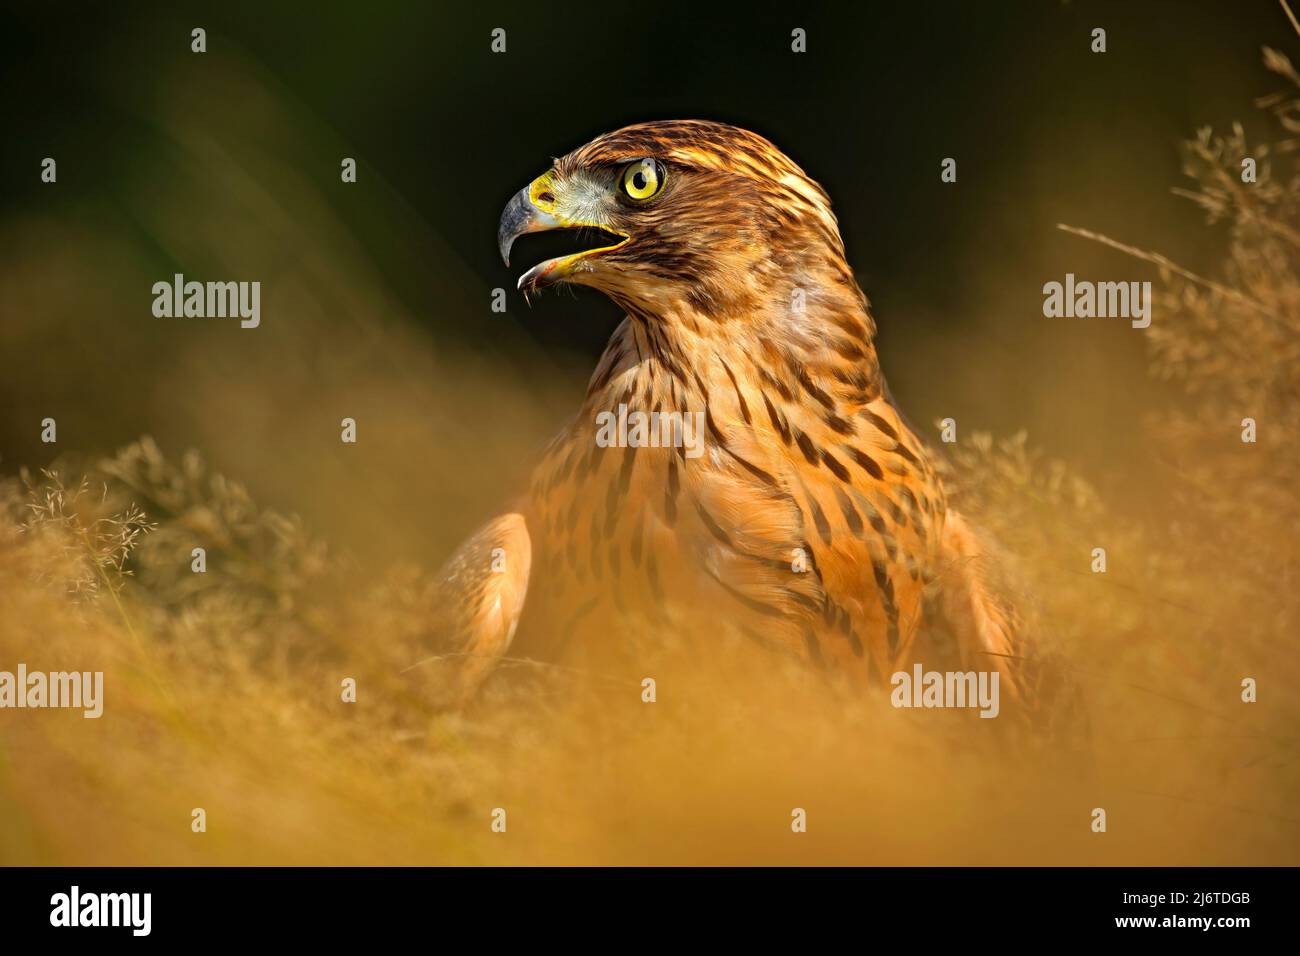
x=519, y=217
x=534, y=209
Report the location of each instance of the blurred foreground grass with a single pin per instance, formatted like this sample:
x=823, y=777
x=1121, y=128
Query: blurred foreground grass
x=223, y=689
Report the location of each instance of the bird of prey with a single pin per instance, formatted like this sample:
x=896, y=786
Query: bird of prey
x=810, y=521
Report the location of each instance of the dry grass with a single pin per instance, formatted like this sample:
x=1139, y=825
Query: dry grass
x=223, y=689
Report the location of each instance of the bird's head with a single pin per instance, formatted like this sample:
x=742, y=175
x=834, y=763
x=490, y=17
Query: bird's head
x=688, y=214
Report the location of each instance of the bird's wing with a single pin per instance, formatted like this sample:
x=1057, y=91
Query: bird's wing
x=983, y=623
x=859, y=496
x=874, y=514
x=481, y=591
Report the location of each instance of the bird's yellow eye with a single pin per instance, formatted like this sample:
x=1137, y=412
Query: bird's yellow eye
x=643, y=179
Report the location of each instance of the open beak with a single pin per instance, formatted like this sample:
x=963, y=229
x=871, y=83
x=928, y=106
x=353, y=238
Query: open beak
x=521, y=216
x=534, y=209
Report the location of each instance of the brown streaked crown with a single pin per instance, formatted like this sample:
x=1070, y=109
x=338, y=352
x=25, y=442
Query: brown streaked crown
x=736, y=221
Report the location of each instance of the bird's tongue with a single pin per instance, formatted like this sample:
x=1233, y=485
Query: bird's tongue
x=540, y=275
x=573, y=244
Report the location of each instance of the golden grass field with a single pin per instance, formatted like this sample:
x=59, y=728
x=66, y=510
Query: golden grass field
x=223, y=689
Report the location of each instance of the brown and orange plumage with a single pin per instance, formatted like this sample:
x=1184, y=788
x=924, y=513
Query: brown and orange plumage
x=814, y=523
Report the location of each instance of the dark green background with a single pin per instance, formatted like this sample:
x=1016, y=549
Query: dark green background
x=1043, y=131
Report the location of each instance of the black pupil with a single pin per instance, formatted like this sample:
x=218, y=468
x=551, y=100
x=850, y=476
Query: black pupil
x=639, y=180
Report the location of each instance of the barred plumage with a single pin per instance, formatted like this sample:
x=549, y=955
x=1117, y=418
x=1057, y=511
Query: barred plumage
x=815, y=524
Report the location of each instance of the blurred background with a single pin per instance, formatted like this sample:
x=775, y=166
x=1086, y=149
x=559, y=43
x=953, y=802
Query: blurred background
x=226, y=165
x=376, y=306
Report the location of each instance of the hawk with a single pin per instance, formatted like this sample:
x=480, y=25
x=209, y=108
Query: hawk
x=811, y=523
